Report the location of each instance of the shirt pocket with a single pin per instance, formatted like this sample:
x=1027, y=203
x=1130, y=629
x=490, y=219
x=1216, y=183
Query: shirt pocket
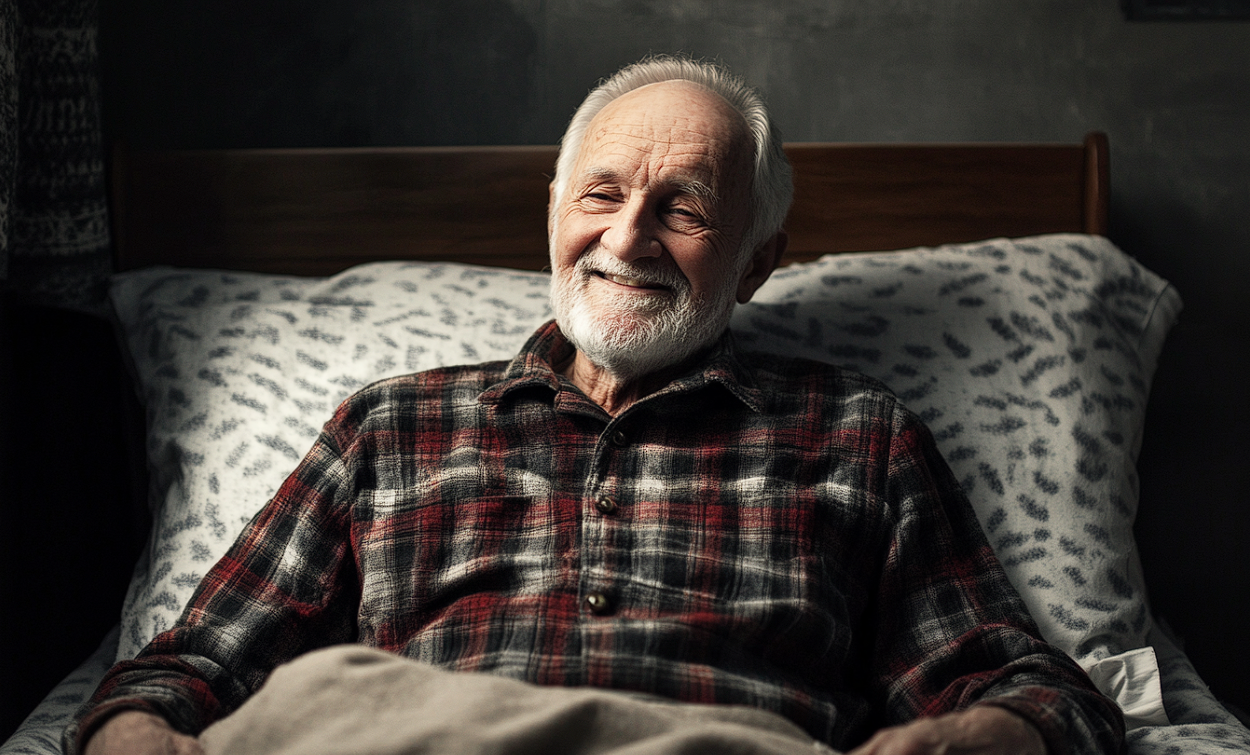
x=746, y=585
x=421, y=560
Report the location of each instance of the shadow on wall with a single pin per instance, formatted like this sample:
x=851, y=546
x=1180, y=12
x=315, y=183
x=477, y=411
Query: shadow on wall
x=63, y=487
x=287, y=74
x=1191, y=522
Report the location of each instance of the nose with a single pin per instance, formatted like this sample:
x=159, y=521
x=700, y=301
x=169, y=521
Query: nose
x=631, y=233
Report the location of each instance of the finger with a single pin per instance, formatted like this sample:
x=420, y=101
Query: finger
x=188, y=746
x=917, y=738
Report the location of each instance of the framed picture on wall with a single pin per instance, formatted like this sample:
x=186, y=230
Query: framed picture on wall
x=1186, y=10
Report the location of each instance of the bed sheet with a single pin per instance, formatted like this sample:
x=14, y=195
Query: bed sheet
x=1199, y=724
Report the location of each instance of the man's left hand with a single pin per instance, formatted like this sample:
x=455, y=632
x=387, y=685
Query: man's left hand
x=983, y=730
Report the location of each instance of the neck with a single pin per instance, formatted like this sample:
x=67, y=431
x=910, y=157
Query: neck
x=612, y=392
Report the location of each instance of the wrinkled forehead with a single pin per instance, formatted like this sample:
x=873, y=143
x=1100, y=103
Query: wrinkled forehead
x=668, y=129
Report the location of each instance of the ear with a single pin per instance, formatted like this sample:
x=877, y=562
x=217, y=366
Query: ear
x=763, y=263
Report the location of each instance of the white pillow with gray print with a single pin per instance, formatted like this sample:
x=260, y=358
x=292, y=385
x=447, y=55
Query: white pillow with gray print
x=1030, y=359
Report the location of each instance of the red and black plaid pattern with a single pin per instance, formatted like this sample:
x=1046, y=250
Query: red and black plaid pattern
x=766, y=532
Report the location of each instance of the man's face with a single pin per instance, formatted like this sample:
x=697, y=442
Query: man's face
x=645, y=247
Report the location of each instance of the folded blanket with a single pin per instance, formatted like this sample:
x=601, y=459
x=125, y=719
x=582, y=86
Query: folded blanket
x=352, y=700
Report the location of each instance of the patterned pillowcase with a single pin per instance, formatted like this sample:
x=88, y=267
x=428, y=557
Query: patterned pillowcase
x=238, y=371
x=1030, y=359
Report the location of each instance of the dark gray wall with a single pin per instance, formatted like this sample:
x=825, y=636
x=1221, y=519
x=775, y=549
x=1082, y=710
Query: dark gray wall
x=1174, y=98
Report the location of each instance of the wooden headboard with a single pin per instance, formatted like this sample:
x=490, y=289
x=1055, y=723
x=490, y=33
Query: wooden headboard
x=318, y=211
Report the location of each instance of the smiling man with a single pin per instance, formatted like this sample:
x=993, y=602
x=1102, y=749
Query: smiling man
x=697, y=549
x=649, y=238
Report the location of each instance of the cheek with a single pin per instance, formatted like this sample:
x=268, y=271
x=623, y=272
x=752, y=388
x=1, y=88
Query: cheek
x=709, y=270
x=570, y=239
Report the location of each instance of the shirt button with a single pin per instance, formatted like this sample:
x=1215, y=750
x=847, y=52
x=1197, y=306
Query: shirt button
x=606, y=505
x=619, y=438
x=598, y=603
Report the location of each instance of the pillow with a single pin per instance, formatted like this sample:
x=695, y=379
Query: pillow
x=1030, y=359
x=238, y=371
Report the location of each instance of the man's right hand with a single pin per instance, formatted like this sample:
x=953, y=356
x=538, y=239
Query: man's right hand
x=135, y=732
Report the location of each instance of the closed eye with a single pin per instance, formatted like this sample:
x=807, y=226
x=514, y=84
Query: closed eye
x=599, y=200
x=682, y=217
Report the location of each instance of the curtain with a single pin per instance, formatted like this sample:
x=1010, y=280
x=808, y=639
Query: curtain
x=54, y=234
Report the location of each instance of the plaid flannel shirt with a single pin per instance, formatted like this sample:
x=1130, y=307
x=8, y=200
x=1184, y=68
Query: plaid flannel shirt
x=768, y=532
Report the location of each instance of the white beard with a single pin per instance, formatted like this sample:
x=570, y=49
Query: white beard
x=634, y=335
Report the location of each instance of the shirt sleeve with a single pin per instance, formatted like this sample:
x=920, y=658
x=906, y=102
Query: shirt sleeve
x=286, y=586
x=952, y=632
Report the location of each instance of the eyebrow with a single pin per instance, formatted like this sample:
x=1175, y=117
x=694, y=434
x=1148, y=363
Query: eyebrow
x=691, y=186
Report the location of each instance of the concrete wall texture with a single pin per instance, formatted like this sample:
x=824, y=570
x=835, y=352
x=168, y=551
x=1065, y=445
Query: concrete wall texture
x=1173, y=97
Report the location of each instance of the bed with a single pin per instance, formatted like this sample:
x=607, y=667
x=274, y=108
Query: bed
x=258, y=288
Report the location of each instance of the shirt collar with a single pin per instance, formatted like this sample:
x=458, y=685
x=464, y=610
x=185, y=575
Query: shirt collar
x=535, y=367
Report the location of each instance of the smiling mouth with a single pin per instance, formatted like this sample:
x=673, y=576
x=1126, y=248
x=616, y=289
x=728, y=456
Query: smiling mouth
x=632, y=282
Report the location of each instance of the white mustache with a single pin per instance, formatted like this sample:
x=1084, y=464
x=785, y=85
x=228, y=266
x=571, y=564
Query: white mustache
x=596, y=261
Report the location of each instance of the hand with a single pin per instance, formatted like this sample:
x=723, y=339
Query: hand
x=135, y=732
x=983, y=730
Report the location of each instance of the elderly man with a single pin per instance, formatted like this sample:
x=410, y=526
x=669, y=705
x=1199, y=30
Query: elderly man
x=633, y=505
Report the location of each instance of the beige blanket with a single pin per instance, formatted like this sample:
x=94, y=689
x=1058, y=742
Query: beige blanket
x=351, y=700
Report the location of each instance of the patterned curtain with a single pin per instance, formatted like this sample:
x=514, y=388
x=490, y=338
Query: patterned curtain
x=54, y=236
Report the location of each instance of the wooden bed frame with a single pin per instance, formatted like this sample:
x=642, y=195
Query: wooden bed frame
x=318, y=211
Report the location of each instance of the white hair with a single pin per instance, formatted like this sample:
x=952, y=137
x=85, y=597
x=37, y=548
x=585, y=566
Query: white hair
x=772, y=188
